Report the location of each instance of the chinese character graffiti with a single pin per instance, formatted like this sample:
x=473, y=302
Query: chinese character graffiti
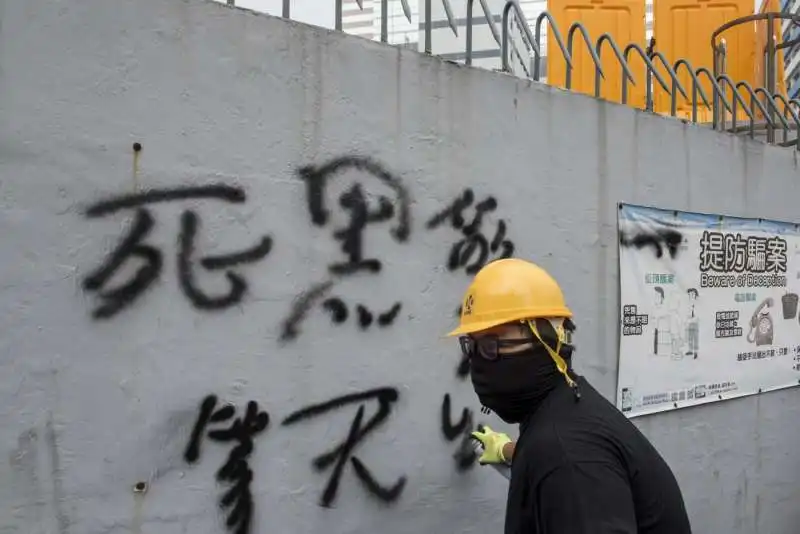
x=360, y=211
x=344, y=452
x=235, y=471
x=339, y=313
x=465, y=455
x=474, y=249
x=115, y=299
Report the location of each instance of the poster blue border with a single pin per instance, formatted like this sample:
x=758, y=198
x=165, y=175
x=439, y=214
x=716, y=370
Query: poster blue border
x=637, y=212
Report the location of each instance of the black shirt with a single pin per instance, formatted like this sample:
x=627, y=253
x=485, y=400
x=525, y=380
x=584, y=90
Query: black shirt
x=583, y=468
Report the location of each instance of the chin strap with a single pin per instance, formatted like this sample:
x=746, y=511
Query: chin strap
x=561, y=364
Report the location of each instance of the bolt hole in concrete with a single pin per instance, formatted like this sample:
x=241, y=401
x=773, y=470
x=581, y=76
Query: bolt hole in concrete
x=137, y=147
x=140, y=487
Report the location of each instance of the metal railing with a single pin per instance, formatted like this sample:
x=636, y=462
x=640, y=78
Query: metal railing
x=764, y=107
x=765, y=104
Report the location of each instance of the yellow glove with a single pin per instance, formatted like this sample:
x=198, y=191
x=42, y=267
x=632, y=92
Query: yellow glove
x=493, y=443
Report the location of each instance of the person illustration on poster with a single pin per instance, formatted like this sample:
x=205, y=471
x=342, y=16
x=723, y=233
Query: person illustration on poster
x=665, y=338
x=692, y=325
x=627, y=399
x=659, y=301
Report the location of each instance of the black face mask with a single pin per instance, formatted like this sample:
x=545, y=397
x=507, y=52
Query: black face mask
x=514, y=385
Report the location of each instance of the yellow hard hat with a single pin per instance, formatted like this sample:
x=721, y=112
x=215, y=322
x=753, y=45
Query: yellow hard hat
x=509, y=290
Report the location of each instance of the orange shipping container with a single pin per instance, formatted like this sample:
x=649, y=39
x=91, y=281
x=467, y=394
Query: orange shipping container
x=623, y=20
x=683, y=29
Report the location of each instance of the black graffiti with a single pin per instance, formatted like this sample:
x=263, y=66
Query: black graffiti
x=228, y=193
x=465, y=454
x=336, y=308
x=290, y=328
x=474, y=250
x=235, y=471
x=658, y=240
x=132, y=245
x=238, y=286
x=339, y=313
x=452, y=431
x=360, y=214
x=114, y=300
x=344, y=451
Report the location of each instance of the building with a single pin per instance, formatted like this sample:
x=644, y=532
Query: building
x=358, y=21
x=485, y=46
x=366, y=22
x=791, y=57
x=361, y=21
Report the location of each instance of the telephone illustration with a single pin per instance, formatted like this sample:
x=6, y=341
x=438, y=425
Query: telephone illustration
x=761, y=324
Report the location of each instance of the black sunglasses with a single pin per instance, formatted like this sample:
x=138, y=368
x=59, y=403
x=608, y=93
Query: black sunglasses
x=487, y=347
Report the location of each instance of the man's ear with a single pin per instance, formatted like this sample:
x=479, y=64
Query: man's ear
x=556, y=330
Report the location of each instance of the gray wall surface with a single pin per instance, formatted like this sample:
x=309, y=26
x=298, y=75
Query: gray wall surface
x=100, y=386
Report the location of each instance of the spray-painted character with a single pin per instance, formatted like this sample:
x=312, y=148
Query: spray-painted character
x=344, y=452
x=235, y=471
x=360, y=210
x=114, y=299
x=474, y=250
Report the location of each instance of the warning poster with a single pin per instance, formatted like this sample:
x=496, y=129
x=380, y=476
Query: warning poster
x=708, y=308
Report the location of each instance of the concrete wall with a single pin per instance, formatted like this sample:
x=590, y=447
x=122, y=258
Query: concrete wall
x=100, y=387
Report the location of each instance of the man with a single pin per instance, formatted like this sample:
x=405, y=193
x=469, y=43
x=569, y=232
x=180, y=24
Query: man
x=692, y=326
x=579, y=466
x=666, y=333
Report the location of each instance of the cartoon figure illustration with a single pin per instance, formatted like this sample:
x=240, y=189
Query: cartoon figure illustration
x=627, y=399
x=761, y=327
x=666, y=339
x=692, y=325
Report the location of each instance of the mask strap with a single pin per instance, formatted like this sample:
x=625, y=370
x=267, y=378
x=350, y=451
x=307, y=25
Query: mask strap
x=561, y=364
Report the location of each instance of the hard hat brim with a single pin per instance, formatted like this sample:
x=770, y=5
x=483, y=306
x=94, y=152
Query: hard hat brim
x=471, y=328
x=475, y=327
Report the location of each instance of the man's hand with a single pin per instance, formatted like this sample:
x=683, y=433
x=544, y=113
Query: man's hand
x=493, y=444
